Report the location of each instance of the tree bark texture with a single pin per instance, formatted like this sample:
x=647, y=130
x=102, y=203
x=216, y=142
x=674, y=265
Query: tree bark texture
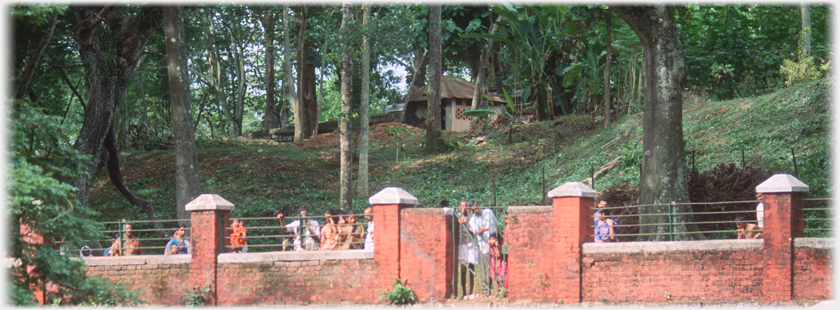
x=186, y=161
x=663, y=176
x=433, y=110
x=307, y=90
x=270, y=114
x=364, y=109
x=345, y=133
x=297, y=112
x=607, y=68
x=806, y=29
x=112, y=54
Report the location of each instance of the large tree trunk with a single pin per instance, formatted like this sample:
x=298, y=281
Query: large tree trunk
x=110, y=67
x=241, y=79
x=186, y=162
x=297, y=110
x=478, y=100
x=663, y=176
x=345, y=134
x=364, y=123
x=433, y=110
x=607, y=69
x=307, y=92
x=270, y=114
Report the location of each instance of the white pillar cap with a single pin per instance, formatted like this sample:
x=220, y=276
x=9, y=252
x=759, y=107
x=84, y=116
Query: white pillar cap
x=572, y=189
x=209, y=202
x=392, y=195
x=781, y=183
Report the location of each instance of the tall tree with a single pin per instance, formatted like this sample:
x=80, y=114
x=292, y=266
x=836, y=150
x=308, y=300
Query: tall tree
x=112, y=56
x=806, y=30
x=433, y=110
x=270, y=114
x=306, y=83
x=364, y=109
x=345, y=133
x=663, y=177
x=186, y=162
x=607, y=68
x=297, y=111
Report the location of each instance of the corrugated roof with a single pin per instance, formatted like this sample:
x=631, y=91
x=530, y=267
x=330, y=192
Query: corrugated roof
x=452, y=87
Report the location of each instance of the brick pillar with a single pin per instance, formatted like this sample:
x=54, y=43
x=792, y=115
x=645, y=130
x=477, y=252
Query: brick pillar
x=387, y=204
x=209, y=213
x=782, y=222
x=571, y=203
x=426, y=251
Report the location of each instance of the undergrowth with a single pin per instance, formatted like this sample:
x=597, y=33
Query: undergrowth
x=262, y=179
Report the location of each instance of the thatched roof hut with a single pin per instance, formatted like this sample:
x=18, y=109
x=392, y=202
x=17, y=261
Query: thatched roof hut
x=455, y=98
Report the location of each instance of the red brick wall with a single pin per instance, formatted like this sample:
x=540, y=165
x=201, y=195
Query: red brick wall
x=686, y=275
x=425, y=258
x=530, y=263
x=298, y=282
x=812, y=271
x=158, y=282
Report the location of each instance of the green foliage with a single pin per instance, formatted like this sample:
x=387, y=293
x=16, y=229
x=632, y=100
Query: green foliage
x=197, y=297
x=400, y=294
x=37, y=14
x=41, y=159
x=796, y=72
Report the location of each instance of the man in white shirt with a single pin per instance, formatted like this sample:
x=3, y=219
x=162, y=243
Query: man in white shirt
x=483, y=224
x=311, y=233
x=759, y=210
x=369, y=235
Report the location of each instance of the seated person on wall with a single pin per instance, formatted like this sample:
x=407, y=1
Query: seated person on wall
x=132, y=246
x=355, y=233
x=746, y=230
x=311, y=231
x=178, y=240
x=238, y=244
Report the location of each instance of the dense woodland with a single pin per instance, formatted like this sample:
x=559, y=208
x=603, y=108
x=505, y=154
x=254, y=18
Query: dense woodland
x=92, y=83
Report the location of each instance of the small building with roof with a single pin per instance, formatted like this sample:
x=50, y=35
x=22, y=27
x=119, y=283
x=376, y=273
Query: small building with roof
x=455, y=97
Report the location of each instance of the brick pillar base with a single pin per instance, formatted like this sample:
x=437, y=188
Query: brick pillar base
x=209, y=213
x=571, y=204
x=387, y=204
x=782, y=212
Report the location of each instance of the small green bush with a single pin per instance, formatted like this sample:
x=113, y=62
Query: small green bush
x=799, y=72
x=399, y=295
x=197, y=297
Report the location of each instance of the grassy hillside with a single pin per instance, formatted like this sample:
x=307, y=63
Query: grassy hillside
x=264, y=177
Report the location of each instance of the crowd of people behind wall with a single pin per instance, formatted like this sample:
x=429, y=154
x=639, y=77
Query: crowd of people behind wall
x=341, y=231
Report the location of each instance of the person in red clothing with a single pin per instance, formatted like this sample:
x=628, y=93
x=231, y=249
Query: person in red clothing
x=238, y=244
x=498, y=265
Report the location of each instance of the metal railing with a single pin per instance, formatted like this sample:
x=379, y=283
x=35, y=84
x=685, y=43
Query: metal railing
x=676, y=221
x=265, y=234
x=152, y=240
